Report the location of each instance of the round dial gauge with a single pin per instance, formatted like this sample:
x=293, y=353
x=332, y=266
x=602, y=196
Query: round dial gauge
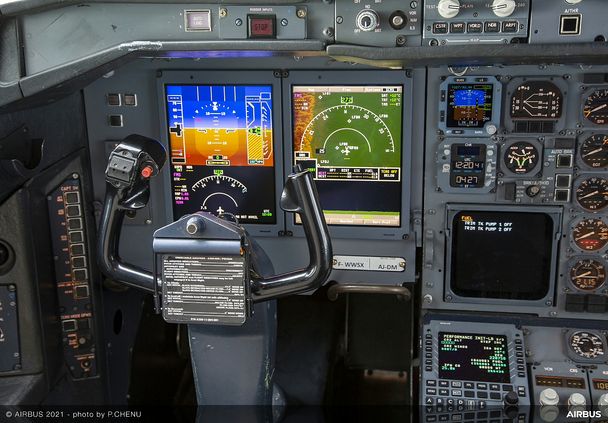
x=596, y=107
x=592, y=194
x=587, y=345
x=221, y=194
x=590, y=234
x=594, y=151
x=536, y=100
x=521, y=157
x=588, y=275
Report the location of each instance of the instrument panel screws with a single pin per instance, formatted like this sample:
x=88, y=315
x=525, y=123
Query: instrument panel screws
x=401, y=40
x=148, y=221
x=284, y=22
x=238, y=22
x=339, y=19
x=328, y=32
x=223, y=12
x=301, y=13
x=428, y=298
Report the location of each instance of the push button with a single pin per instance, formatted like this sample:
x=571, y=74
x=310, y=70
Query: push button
x=492, y=26
x=440, y=28
x=510, y=26
x=474, y=27
x=457, y=27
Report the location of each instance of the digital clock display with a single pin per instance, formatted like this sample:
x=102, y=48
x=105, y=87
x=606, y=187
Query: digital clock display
x=600, y=384
x=468, y=165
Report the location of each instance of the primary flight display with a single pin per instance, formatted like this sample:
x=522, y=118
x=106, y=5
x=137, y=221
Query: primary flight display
x=222, y=158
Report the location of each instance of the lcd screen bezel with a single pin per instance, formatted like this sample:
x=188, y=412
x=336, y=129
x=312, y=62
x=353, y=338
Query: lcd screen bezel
x=219, y=78
x=358, y=78
x=554, y=213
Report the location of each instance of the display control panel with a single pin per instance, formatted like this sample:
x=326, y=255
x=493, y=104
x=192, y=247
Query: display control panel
x=461, y=22
x=472, y=367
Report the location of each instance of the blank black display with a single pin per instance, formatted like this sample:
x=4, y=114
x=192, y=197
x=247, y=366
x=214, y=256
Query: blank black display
x=472, y=356
x=493, y=262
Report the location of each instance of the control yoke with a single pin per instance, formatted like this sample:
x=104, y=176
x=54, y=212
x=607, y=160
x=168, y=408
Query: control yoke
x=202, y=236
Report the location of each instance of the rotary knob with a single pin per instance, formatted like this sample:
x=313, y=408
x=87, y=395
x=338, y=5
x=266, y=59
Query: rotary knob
x=573, y=1
x=603, y=401
x=448, y=8
x=577, y=400
x=503, y=8
x=367, y=20
x=549, y=397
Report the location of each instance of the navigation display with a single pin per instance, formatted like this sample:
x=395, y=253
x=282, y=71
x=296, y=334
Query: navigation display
x=500, y=254
x=222, y=158
x=350, y=138
x=472, y=356
x=469, y=105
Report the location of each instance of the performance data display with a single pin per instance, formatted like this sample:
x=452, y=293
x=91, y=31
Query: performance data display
x=469, y=105
x=500, y=254
x=472, y=356
x=349, y=137
x=222, y=158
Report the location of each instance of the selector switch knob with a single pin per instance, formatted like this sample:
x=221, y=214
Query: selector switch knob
x=511, y=398
x=448, y=8
x=367, y=20
x=573, y=1
x=577, y=400
x=503, y=8
x=549, y=397
x=603, y=400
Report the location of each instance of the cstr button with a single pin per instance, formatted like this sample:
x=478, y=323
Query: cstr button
x=261, y=26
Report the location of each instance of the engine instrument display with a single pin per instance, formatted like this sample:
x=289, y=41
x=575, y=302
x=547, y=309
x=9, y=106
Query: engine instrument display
x=521, y=158
x=592, y=194
x=536, y=100
x=469, y=105
x=594, y=151
x=467, y=166
x=349, y=137
x=222, y=159
x=501, y=254
x=595, y=109
x=472, y=356
x=587, y=345
x=588, y=274
x=590, y=234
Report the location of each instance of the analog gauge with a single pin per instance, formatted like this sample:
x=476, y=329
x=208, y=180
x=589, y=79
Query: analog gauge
x=596, y=107
x=592, y=194
x=587, y=345
x=594, y=151
x=590, y=234
x=588, y=275
x=537, y=100
x=521, y=158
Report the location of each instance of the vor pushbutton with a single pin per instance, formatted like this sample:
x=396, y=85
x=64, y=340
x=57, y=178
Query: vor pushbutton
x=448, y=8
x=367, y=20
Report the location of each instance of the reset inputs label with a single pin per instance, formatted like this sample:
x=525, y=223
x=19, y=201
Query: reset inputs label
x=369, y=264
x=204, y=289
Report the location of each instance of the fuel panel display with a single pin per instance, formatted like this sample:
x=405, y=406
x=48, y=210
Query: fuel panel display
x=472, y=356
x=350, y=138
x=222, y=159
x=469, y=105
x=502, y=255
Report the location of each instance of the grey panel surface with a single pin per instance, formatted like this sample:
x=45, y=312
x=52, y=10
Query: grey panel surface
x=563, y=142
x=545, y=21
x=383, y=35
x=96, y=27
